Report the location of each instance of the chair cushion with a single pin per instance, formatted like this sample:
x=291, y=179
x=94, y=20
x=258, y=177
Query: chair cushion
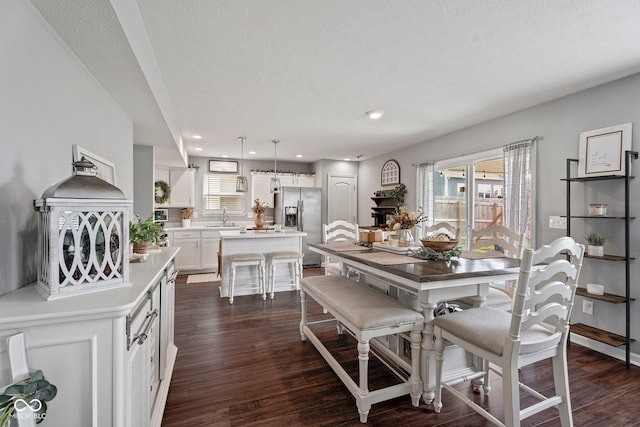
x=486, y=328
x=364, y=307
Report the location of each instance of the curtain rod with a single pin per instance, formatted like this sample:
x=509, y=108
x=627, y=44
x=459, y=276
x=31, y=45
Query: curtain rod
x=535, y=138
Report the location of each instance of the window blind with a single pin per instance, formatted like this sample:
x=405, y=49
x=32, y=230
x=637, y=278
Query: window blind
x=219, y=191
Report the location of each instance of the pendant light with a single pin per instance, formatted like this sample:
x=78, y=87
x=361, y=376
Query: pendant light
x=274, y=185
x=241, y=180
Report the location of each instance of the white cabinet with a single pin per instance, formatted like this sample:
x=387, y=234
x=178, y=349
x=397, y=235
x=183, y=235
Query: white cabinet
x=199, y=249
x=260, y=181
x=182, y=185
x=210, y=244
x=182, y=188
x=189, y=256
x=92, y=347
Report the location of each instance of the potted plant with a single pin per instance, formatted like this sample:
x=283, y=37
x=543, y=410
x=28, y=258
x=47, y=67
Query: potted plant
x=595, y=244
x=142, y=232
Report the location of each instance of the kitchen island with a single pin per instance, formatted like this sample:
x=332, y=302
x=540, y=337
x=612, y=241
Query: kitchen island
x=236, y=242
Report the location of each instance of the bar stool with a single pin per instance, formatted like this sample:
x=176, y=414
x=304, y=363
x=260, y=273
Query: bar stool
x=247, y=260
x=285, y=257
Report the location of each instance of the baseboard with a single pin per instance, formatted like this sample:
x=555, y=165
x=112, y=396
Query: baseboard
x=616, y=353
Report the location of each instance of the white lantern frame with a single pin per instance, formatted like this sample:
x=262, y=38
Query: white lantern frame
x=83, y=245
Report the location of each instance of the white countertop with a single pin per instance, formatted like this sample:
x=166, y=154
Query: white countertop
x=198, y=227
x=26, y=304
x=252, y=234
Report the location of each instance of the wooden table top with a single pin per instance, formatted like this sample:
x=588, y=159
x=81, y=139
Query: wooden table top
x=468, y=265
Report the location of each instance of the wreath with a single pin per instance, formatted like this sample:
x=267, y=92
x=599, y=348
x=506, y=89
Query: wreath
x=161, y=192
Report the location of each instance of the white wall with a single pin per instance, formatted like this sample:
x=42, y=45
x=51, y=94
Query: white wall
x=559, y=123
x=49, y=102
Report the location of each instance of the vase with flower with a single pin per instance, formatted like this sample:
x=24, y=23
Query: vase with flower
x=404, y=222
x=259, y=208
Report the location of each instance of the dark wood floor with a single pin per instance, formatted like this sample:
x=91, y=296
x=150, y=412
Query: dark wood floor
x=244, y=364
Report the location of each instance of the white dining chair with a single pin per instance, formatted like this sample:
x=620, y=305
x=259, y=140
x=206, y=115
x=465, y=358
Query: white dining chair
x=337, y=231
x=536, y=329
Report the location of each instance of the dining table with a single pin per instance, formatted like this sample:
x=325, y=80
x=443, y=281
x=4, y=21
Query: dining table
x=431, y=281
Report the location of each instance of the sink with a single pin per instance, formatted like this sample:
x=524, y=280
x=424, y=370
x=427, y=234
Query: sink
x=229, y=225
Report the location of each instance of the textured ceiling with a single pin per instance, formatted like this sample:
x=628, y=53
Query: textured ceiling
x=305, y=72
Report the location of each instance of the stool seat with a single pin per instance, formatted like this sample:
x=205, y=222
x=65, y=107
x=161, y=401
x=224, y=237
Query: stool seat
x=248, y=260
x=285, y=257
x=246, y=257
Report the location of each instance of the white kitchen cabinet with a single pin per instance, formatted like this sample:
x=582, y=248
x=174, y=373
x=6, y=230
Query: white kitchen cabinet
x=210, y=244
x=189, y=257
x=182, y=188
x=182, y=185
x=260, y=188
x=87, y=346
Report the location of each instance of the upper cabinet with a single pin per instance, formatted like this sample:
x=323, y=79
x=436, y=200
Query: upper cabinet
x=260, y=188
x=182, y=185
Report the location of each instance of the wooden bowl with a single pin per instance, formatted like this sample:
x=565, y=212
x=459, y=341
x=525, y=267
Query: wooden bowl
x=439, y=245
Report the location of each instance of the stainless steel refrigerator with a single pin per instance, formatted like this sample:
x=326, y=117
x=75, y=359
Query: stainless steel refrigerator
x=299, y=208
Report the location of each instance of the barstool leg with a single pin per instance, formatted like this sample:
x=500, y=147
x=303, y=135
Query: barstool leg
x=233, y=283
x=263, y=281
x=272, y=284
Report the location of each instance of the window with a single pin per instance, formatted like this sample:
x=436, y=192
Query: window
x=219, y=191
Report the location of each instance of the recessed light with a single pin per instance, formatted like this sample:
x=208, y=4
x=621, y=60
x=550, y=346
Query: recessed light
x=347, y=159
x=198, y=148
x=252, y=152
x=224, y=156
x=197, y=136
x=299, y=156
x=375, y=114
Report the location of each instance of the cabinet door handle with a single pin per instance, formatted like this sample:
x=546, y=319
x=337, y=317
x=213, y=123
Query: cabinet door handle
x=172, y=279
x=141, y=338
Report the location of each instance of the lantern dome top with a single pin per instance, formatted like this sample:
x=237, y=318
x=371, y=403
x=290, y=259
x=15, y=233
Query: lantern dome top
x=83, y=184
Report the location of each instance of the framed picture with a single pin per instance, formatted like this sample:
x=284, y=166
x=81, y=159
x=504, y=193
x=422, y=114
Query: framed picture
x=106, y=169
x=223, y=166
x=602, y=151
x=390, y=174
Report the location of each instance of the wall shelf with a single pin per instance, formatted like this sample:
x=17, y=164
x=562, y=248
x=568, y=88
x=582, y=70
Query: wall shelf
x=599, y=335
x=592, y=332
x=607, y=297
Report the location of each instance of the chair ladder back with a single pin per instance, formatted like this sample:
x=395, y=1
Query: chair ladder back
x=511, y=241
x=547, y=292
x=339, y=231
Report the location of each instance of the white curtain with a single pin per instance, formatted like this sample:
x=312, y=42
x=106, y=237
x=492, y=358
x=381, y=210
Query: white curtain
x=424, y=187
x=519, y=186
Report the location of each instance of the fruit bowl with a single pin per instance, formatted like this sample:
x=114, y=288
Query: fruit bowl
x=439, y=245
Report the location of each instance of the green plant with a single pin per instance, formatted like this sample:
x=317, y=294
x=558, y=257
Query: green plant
x=144, y=230
x=399, y=192
x=595, y=239
x=34, y=392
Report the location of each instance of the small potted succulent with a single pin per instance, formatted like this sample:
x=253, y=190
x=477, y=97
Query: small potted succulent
x=595, y=244
x=141, y=232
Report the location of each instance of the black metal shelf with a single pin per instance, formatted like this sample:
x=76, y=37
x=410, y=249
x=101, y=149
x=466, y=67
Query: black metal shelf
x=590, y=331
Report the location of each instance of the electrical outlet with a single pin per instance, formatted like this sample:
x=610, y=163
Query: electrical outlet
x=558, y=222
x=587, y=306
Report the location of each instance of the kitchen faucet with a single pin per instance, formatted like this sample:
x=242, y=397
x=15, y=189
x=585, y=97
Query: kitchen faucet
x=225, y=217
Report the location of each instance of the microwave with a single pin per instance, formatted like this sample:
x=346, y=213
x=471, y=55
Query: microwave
x=161, y=215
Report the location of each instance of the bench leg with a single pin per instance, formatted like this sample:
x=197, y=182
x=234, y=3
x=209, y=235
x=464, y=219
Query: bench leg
x=363, y=362
x=303, y=313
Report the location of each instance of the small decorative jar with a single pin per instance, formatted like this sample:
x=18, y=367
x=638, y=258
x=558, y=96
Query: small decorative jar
x=83, y=235
x=598, y=209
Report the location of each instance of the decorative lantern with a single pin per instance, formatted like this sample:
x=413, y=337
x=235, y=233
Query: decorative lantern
x=83, y=235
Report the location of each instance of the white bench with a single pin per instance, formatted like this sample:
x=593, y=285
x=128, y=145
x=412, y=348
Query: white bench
x=368, y=314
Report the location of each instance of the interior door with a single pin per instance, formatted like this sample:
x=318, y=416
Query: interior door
x=342, y=198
